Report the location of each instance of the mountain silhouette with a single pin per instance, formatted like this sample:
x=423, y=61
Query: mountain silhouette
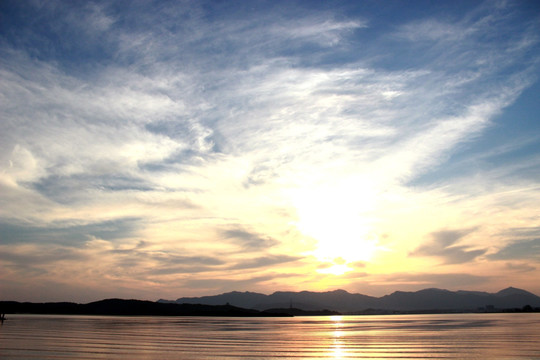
x=345, y=302
x=130, y=307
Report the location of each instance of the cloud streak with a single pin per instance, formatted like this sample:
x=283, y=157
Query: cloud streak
x=271, y=130
x=443, y=245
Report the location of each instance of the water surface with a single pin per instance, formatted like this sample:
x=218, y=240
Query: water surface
x=447, y=336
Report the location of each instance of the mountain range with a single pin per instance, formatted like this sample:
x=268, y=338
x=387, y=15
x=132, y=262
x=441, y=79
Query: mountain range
x=345, y=302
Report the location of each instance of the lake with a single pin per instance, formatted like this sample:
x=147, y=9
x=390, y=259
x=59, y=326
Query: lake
x=447, y=336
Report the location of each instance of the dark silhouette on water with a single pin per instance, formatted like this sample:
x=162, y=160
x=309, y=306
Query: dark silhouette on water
x=299, y=312
x=130, y=308
x=305, y=303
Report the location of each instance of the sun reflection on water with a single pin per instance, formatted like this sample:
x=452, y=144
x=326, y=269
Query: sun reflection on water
x=338, y=349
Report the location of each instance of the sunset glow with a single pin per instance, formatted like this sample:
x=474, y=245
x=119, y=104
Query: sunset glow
x=163, y=149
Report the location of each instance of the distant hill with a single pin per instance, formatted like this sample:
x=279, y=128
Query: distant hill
x=129, y=307
x=283, y=303
x=300, y=312
x=345, y=302
x=305, y=300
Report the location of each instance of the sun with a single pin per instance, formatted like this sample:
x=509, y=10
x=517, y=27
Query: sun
x=338, y=222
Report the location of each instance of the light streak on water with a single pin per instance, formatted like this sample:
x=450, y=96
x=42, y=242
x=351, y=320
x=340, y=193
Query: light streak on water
x=448, y=336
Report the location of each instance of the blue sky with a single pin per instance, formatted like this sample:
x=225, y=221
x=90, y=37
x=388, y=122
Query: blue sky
x=166, y=149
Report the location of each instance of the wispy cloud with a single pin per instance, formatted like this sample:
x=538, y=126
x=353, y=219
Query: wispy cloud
x=444, y=245
x=317, y=30
x=265, y=261
x=525, y=249
x=248, y=240
x=269, y=127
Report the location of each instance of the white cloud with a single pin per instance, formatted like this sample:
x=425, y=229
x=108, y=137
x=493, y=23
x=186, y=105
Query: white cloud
x=323, y=31
x=222, y=124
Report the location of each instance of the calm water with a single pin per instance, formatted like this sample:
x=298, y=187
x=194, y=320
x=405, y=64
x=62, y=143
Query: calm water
x=481, y=336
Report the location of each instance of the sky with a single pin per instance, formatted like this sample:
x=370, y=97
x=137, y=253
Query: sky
x=160, y=149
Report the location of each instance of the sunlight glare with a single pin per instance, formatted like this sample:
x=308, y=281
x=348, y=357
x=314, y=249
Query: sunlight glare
x=338, y=347
x=336, y=217
x=335, y=269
